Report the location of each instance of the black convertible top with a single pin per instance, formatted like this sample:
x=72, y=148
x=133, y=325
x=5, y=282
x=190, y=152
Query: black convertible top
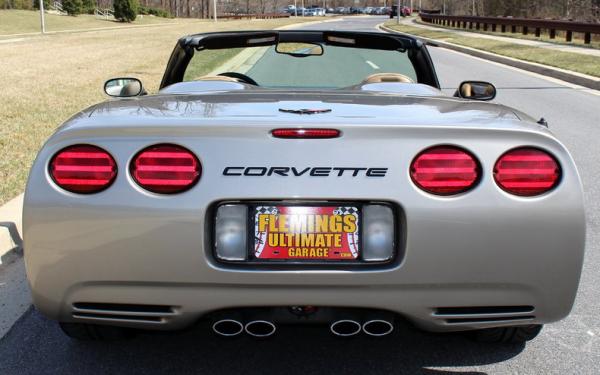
x=188, y=45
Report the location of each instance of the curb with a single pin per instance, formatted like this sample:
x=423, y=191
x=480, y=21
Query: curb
x=562, y=74
x=11, y=244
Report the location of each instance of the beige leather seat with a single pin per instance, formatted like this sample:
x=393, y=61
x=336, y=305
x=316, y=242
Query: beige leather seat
x=387, y=77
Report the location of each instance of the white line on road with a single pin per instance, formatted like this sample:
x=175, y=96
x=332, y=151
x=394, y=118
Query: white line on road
x=372, y=65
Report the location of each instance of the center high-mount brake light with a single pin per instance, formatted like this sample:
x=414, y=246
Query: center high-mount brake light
x=83, y=169
x=165, y=169
x=305, y=133
x=445, y=170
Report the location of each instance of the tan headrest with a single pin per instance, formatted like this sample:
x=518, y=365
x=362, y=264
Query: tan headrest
x=387, y=77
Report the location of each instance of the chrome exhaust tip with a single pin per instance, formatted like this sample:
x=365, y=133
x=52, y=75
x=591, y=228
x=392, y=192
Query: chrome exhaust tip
x=377, y=327
x=345, y=327
x=260, y=328
x=228, y=327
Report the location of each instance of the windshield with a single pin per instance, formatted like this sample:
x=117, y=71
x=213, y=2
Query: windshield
x=333, y=67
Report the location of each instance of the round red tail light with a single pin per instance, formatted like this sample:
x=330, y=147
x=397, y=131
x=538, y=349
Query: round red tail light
x=83, y=169
x=166, y=169
x=445, y=170
x=527, y=171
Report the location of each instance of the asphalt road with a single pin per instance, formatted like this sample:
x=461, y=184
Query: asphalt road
x=36, y=346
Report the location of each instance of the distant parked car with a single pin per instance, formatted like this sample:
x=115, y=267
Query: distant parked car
x=311, y=12
x=404, y=11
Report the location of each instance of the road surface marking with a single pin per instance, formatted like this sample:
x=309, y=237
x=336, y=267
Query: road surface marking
x=591, y=333
x=372, y=65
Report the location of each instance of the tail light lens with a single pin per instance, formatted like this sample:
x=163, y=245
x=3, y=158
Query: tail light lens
x=445, y=170
x=166, y=169
x=527, y=172
x=83, y=169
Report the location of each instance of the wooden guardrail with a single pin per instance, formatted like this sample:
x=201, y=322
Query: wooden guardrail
x=525, y=24
x=254, y=16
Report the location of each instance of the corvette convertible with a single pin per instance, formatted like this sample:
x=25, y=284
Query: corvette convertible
x=303, y=177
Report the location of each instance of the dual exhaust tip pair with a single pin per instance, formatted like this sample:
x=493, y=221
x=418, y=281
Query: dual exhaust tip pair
x=373, y=327
x=265, y=328
x=255, y=328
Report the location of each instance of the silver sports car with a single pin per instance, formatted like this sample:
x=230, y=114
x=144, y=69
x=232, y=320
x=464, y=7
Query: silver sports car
x=303, y=177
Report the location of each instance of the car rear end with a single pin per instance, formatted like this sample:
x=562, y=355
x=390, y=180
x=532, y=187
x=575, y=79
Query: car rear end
x=156, y=221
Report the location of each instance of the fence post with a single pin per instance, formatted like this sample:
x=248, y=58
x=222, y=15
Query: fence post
x=537, y=32
x=569, y=36
x=552, y=33
x=587, y=39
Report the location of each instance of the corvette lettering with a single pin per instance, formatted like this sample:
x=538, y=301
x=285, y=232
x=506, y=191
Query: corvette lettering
x=304, y=171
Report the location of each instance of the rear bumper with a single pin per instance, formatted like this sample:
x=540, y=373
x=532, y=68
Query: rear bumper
x=147, y=259
x=183, y=305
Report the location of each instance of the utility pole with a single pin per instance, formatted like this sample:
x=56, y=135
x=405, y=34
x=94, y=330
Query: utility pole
x=295, y=8
x=42, y=21
x=215, y=10
x=473, y=7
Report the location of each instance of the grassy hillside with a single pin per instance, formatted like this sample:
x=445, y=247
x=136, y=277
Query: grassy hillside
x=28, y=21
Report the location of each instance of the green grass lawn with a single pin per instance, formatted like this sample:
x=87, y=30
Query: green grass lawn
x=37, y=97
x=28, y=21
x=565, y=60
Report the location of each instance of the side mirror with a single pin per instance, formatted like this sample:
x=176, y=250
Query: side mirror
x=476, y=90
x=299, y=49
x=124, y=87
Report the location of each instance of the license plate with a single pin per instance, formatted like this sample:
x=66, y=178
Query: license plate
x=326, y=233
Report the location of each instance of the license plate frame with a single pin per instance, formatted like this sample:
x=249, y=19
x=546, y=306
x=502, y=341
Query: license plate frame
x=351, y=244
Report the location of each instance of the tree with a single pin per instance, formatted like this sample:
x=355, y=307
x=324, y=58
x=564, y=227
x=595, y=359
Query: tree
x=72, y=7
x=36, y=4
x=125, y=10
x=87, y=5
